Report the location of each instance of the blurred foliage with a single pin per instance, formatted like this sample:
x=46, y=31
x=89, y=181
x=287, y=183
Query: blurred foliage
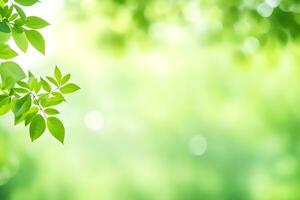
x=182, y=119
x=269, y=20
x=121, y=23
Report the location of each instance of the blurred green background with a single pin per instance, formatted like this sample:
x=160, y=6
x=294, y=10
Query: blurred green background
x=180, y=100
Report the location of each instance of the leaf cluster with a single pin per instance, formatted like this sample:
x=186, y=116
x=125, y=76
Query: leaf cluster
x=269, y=21
x=14, y=23
x=32, y=100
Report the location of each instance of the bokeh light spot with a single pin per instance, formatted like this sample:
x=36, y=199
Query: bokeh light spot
x=265, y=10
x=94, y=121
x=198, y=145
x=250, y=44
x=273, y=3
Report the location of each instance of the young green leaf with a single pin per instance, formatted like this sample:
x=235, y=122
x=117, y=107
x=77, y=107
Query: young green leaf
x=51, y=101
x=36, y=86
x=7, y=84
x=69, y=88
x=21, y=90
x=58, y=95
x=65, y=79
x=51, y=111
x=57, y=74
x=11, y=70
x=43, y=96
x=20, y=12
x=6, y=52
x=4, y=99
x=52, y=80
x=34, y=22
x=26, y=2
x=4, y=37
x=22, y=105
x=37, y=127
x=24, y=85
x=20, y=22
x=20, y=39
x=45, y=85
x=56, y=128
x=30, y=76
x=30, y=115
x=4, y=28
x=13, y=17
x=5, y=109
x=36, y=40
x=9, y=12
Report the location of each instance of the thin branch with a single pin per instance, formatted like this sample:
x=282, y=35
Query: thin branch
x=39, y=104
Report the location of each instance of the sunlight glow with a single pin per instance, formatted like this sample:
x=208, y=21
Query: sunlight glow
x=197, y=145
x=265, y=10
x=94, y=120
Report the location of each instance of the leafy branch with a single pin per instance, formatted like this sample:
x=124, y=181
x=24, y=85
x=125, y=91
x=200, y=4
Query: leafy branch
x=32, y=100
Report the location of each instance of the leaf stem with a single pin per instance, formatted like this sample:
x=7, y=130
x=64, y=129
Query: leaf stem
x=39, y=105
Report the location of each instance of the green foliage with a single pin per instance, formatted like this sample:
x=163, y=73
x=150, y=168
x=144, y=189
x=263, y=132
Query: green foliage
x=31, y=99
x=268, y=21
x=128, y=22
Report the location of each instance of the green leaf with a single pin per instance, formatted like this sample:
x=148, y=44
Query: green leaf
x=52, y=80
x=6, y=52
x=21, y=90
x=35, y=85
x=30, y=76
x=9, y=12
x=51, y=111
x=69, y=88
x=20, y=22
x=1, y=3
x=12, y=92
x=56, y=128
x=43, y=96
x=65, y=79
x=4, y=99
x=31, y=114
x=34, y=22
x=37, y=127
x=52, y=101
x=36, y=40
x=45, y=85
x=4, y=28
x=20, y=12
x=24, y=85
x=20, y=119
x=20, y=39
x=8, y=83
x=26, y=2
x=4, y=37
x=11, y=71
x=5, y=109
x=4, y=104
x=22, y=106
x=58, y=95
x=13, y=17
x=57, y=74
